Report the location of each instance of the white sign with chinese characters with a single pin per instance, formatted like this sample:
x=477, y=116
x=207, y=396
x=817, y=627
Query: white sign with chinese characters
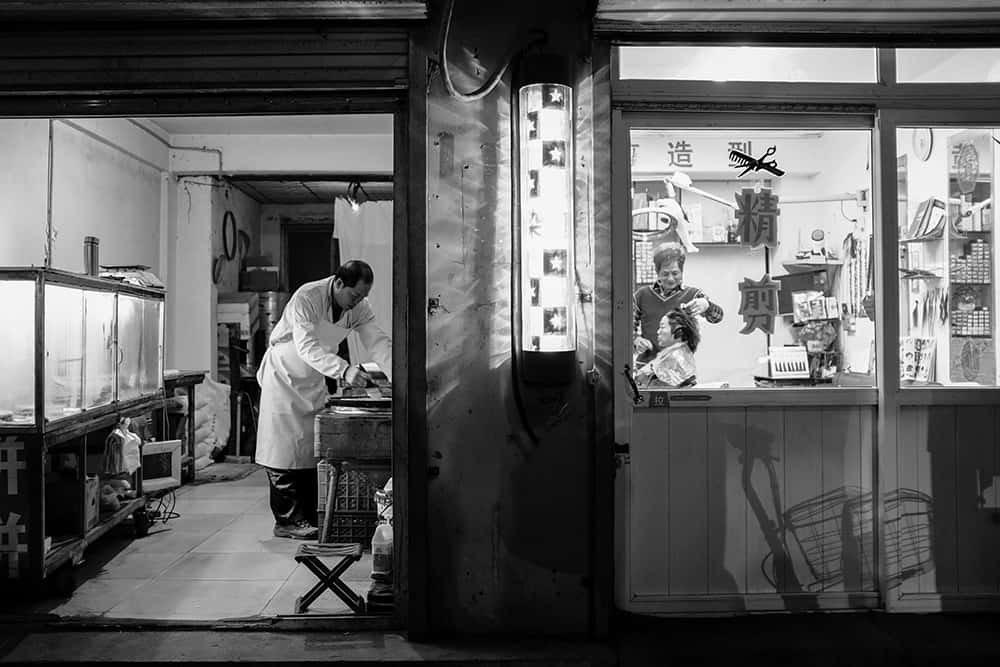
x=662, y=152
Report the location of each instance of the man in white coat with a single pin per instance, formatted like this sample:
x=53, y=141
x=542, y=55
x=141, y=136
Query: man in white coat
x=301, y=354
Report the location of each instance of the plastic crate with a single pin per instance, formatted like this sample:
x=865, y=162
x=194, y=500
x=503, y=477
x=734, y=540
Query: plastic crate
x=355, y=492
x=350, y=527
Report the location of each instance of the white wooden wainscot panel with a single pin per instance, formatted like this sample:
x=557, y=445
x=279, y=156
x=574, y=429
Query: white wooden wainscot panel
x=648, y=503
x=732, y=505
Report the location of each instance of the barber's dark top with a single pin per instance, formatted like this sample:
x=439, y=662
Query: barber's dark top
x=650, y=304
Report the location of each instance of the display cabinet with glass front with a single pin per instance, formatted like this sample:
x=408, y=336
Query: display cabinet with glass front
x=947, y=302
x=752, y=258
x=74, y=344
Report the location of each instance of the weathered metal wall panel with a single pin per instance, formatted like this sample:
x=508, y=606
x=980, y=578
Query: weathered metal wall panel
x=209, y=10
x=160, y=60
x=510, y=518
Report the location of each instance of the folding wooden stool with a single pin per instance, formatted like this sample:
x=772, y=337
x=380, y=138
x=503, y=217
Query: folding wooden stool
x=329, y=579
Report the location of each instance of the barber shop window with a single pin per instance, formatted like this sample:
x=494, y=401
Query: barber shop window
x=752, y=258
x=947, y=303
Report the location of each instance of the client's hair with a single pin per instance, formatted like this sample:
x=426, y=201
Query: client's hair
x=684, y=327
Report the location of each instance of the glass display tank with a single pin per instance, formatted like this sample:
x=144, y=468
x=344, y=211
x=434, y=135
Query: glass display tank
x=100, y=341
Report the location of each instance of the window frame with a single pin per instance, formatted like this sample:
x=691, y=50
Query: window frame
x=706, y=104
x=891, y=120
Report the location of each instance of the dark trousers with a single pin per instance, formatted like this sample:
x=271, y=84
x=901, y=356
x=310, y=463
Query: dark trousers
x=293, y=495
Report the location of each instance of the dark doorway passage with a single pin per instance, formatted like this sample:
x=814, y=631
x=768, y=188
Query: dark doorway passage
x=311, y=253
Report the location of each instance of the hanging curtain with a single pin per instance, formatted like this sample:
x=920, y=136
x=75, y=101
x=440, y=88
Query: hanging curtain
x=366, y=234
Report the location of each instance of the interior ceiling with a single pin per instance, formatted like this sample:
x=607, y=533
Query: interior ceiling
x=288, y=189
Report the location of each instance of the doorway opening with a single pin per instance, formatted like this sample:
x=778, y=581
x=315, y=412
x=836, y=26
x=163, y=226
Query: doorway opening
x=227, y=217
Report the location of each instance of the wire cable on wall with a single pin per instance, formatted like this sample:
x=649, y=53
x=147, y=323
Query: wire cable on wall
x=201, y=149
x=494, y=79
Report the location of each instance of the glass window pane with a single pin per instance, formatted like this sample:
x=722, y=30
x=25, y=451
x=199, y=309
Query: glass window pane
x=747, y=63
x=705, y=238
x=99, y=384
x=151, y=355
x=947, y=65
x=63, y=351
x=130, y=314
x=946, y=256
x=17, y=363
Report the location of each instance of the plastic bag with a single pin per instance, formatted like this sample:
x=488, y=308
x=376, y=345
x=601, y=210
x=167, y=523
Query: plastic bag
x=112, y=463
x=130, y=452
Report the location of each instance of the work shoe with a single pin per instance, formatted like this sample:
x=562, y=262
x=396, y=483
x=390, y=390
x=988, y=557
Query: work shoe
x=302, y=530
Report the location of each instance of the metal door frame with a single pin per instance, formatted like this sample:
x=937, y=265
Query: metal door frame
x=406, y=104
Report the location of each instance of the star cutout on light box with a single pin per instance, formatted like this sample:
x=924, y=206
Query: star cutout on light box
x=556, y=155
x=555, y=95
x=535, y=224
x=556, y=263
x=556, y=321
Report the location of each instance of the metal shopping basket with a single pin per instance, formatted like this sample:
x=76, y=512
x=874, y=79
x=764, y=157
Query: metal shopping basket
x=833, y=533
x=909, y=521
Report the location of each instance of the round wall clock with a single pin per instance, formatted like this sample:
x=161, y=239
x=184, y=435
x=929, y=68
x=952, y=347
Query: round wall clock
x=923, y=142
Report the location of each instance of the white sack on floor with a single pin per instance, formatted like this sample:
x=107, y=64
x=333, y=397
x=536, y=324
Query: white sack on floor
x=211, y=417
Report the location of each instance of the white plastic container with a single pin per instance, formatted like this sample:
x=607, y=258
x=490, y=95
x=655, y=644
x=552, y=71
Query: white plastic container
x=382, y=551
x=383, y=503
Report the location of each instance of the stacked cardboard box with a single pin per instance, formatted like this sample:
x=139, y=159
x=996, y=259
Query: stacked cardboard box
x=241, y=308
x=259, y=274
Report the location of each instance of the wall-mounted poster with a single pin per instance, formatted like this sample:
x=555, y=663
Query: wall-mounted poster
x=973, y=360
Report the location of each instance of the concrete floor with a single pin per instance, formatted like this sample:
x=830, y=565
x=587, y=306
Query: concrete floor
x=218, y=560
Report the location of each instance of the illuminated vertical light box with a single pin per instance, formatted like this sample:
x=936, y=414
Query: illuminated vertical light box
x=544, y=152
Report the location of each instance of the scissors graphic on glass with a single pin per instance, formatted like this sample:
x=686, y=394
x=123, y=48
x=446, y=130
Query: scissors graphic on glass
x=741, y=159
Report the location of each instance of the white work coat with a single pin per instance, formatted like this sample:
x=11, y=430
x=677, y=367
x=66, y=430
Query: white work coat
x=301, y=352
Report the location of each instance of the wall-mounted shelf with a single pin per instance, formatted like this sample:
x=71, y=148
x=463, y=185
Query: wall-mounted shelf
x=810, y=265
x=922, y=239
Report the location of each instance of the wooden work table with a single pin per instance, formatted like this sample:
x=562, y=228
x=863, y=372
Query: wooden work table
x=355, y=433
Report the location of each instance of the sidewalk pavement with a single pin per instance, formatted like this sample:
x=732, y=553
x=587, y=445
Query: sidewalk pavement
x=813, y=640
